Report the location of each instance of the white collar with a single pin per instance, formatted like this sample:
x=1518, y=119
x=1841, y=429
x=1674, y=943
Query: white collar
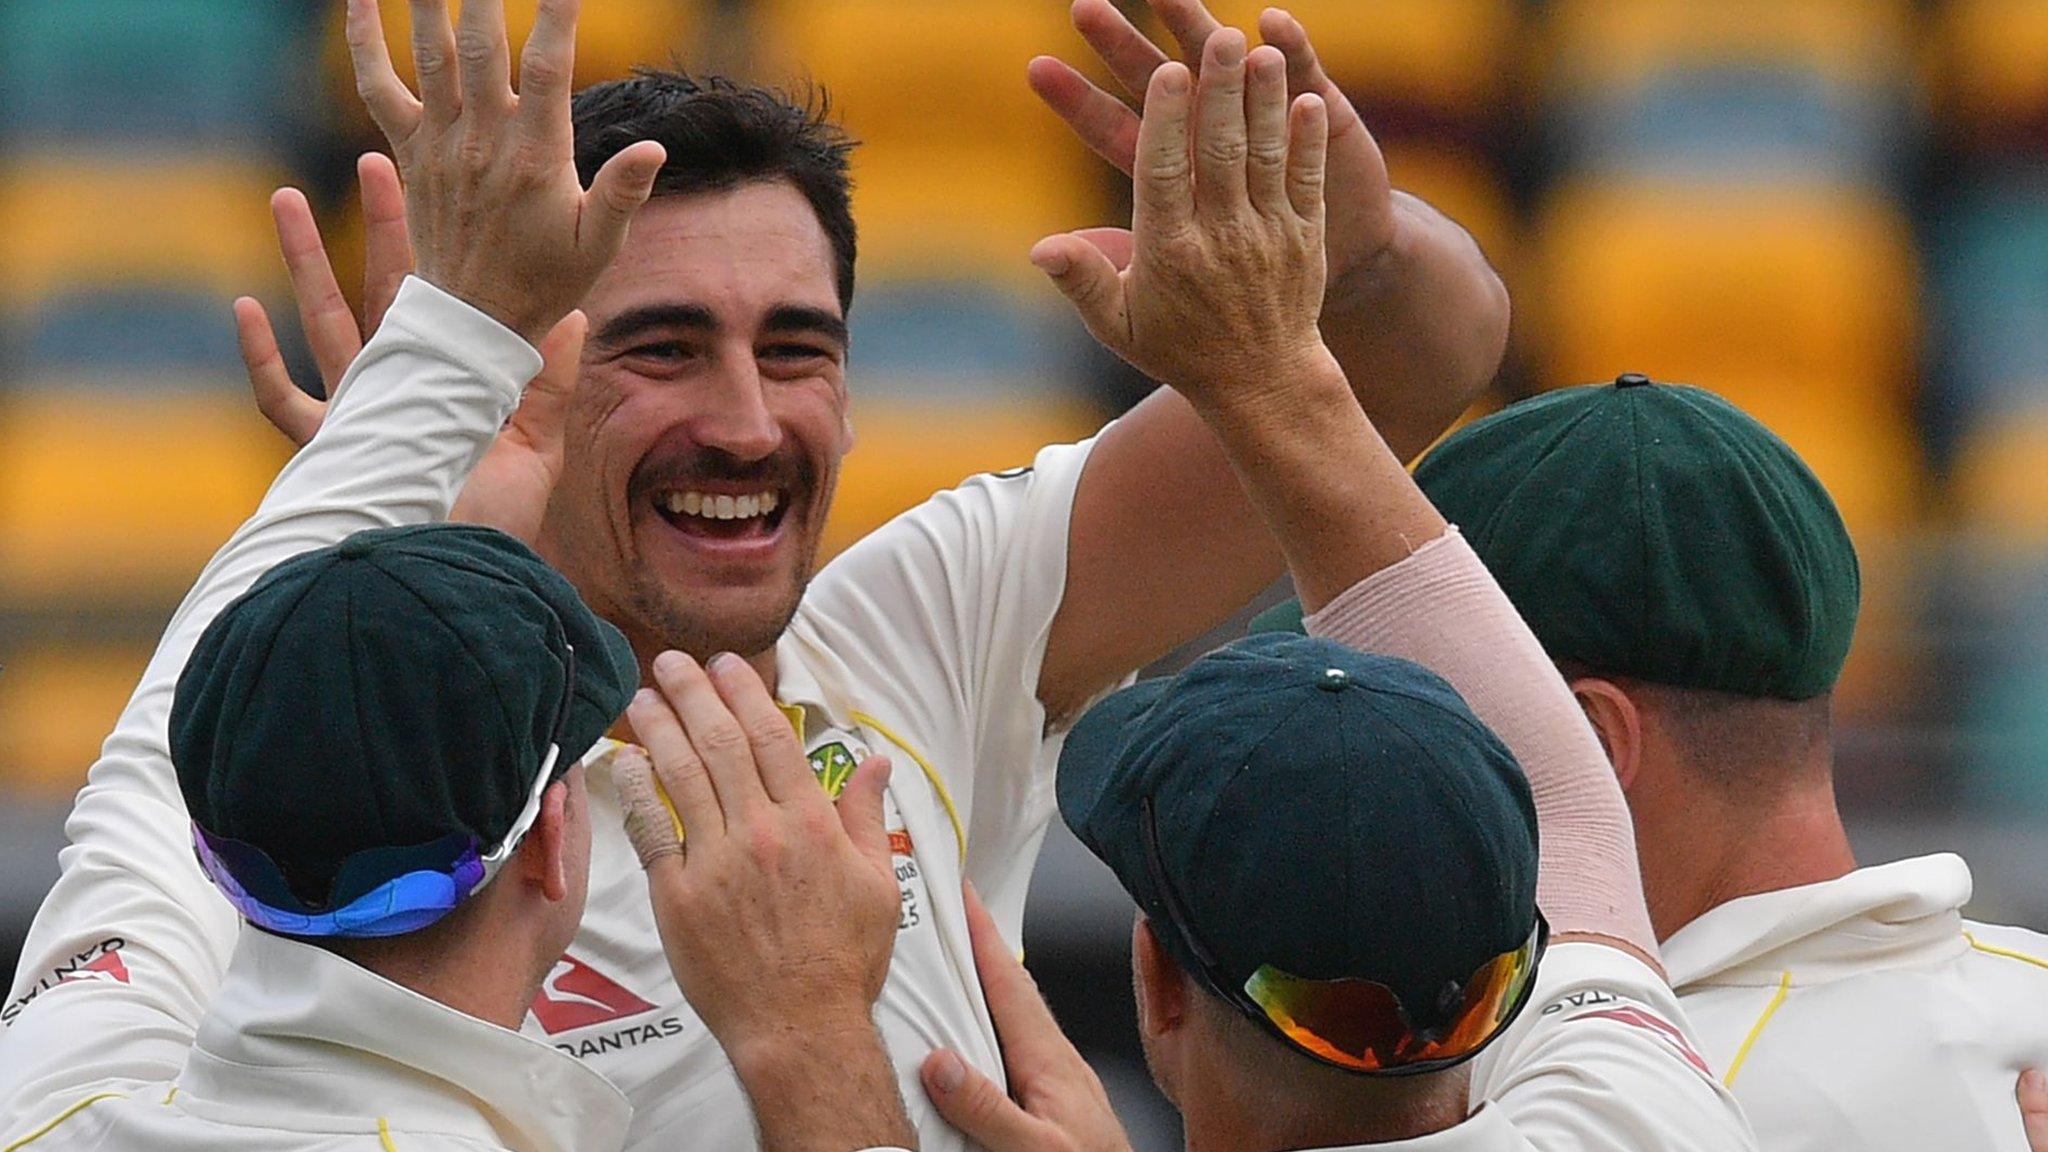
x=1487, y=1130
x=299, y=1032
x=1890, y=915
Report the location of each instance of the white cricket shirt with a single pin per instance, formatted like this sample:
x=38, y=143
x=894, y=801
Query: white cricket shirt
x=1599, y=1061
x=923, y=643
x=1866, y=1013
x=303, y=1051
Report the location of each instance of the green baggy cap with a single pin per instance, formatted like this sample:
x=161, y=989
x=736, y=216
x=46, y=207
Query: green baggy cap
x=1334, y=814
x=387, y=692
x=1654, y=531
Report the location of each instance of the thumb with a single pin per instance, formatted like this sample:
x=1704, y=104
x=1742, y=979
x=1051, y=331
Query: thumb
x=1087, y=277
x=622, y=186
x=972, y=1103
x=860, y=809
x=1116, y=243
x=544, y=411
x=2033, y=1097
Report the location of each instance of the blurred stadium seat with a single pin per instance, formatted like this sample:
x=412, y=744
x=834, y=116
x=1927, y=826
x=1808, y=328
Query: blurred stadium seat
x=116, y=501
x=1990, y=286
x=1463, y=185
x=961, y=169
x=1412, y=61
x=2000, y=476
x=1994, y=70
x=87, y=236
x=909, y=449
x=953, y=338
x=58, y=701
x=160, y=74
x=1796, y=302
x=1732, y=86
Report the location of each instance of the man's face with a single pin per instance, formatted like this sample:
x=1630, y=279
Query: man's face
x=709, y=424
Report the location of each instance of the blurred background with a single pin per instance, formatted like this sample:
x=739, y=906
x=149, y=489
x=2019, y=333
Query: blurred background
x=1835, y=212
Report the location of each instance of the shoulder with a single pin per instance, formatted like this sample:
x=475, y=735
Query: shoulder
x=2024, y=948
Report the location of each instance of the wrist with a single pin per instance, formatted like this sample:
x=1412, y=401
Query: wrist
x=1278, y=396
x=823, y=1086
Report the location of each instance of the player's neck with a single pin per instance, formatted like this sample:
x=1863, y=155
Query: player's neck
x=1795, y=840
x=1236, y=1115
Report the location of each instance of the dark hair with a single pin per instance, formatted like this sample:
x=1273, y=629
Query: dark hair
x=721, y=134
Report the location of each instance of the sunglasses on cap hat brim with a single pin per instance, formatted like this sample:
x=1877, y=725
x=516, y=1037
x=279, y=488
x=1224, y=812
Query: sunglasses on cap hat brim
x=1356, y=1024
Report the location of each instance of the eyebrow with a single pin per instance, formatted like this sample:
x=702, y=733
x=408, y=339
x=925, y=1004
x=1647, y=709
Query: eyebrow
x=804, y=318
x=788, y=318
x=638, y=321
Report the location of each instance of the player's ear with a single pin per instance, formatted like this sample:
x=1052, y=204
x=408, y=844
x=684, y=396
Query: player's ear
x=1616, y=721
x=543, y=855
x=1160, y=985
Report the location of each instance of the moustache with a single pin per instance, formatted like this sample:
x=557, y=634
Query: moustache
x=786, y=470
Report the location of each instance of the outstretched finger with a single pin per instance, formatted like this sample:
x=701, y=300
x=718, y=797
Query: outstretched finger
x=1129, y=53
x=434, y=60
x=684, y=781
x=1031, y=1038
x=621, y=187
x=784, y=771
x=1305, y=73
x=387, y=246
x=861, y=811
x=1102, y=122
x=1266, y=129
x=288, y=409
x=1308, y=151
x=483, y=47
x=1189, y=23
x=1220, y=141
x=718, y=738
x=324, y=313
x=390, y=102
x=1163, y=194
x=547, y=68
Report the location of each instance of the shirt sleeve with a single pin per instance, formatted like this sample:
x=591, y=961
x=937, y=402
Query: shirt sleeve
x=129, y=946
x=1603, y=1060
x=956, y=598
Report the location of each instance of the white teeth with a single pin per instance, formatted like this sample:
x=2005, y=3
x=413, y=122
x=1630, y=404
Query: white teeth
x=715, y=507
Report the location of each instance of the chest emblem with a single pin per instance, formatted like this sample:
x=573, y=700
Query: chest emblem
x=834, y=764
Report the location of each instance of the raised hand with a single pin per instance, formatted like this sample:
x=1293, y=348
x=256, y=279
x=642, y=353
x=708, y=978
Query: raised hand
x=1059, y=1104
x=778, y=913
x=1414, y=314
x=1362, y=217
x=497, y=214
x=1226, y=277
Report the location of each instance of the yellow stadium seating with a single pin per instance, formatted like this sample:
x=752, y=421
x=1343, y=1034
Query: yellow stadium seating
x=1797, y=303
x=960, y=166
x=69, y=221
x=119, y=497
x=1612, y=45
x=1731, y=283
x=1999, y=483
x=57, y=704
x=1450, y=55
x=612, y=36
x=1995, y=59
x=908, y=450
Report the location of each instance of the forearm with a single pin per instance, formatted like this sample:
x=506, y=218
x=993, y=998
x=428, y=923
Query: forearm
x=1335, y=497
x=412, y=421
x=1419, y=333
x=1443, y=610
x=817, y=1094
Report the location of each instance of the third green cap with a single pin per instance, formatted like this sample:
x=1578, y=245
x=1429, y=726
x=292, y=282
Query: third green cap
x=1659, y=532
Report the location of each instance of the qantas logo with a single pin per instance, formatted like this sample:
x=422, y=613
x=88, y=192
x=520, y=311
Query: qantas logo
x=108, y=967
x=575, y=995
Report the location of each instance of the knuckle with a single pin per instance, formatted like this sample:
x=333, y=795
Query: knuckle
x=719, y=739
x=1224, y=150
x=763, y=841
x=430, y=61
x=539, y=69
x=473, y=47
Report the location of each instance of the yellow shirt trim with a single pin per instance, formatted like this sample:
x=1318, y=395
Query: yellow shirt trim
x=384, y=1135
x=930, y=773
x=67, y=1114
x=2008, y=953
x=1757, y=1029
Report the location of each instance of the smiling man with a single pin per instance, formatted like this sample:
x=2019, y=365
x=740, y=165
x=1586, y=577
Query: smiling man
x=704, y=442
